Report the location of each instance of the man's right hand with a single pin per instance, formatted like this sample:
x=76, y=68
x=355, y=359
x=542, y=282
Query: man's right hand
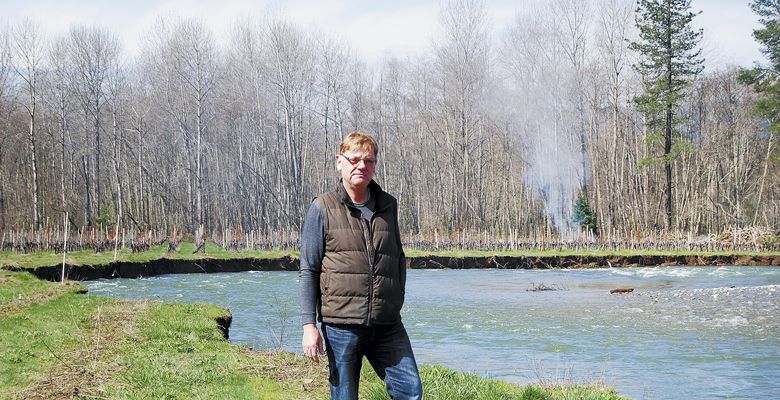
x=312, y=342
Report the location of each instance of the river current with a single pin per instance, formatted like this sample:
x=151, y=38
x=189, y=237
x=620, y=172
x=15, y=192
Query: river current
x=683, y=333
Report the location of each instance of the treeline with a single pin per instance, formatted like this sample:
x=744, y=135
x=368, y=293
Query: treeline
x=488, y=132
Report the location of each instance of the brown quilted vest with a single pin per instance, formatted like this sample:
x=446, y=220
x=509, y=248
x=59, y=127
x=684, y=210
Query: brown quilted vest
x=360, y=281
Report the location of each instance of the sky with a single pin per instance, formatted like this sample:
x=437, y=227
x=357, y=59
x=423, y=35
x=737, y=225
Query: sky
x=372, y=29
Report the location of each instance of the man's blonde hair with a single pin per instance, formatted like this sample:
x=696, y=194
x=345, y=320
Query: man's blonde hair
x=358, y=139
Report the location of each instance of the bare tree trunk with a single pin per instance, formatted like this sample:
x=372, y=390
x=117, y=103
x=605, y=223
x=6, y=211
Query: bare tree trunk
x=763, y=175
x=199, y=157
x=34, y=165
x=668, y=169
x=66, y=229
x=63, y=133
x=117, y=162
x=98, y=195
x=87, y=188
x=28, y=55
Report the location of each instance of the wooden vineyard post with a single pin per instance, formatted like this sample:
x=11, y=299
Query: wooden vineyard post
x=638, y=235
x=64, y=248
x=116, y=239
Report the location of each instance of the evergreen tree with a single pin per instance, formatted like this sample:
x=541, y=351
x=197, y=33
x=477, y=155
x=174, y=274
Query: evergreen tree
x=669, y=59
x=583, y=216
x=766, y=79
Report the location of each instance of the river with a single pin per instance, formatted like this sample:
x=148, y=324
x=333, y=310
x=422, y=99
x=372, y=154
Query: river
x=685, y=332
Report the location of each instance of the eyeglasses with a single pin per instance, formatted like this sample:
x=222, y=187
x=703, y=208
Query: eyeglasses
x=354, y=161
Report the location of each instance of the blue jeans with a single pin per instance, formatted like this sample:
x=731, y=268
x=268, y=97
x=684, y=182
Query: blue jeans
x=386, y=347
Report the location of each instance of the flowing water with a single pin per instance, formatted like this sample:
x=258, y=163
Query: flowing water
x=684, y=333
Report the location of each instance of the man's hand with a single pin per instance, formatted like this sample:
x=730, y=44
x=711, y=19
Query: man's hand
x=312, y=342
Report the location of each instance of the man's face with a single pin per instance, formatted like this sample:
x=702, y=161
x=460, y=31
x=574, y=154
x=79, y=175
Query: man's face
x=357, y=166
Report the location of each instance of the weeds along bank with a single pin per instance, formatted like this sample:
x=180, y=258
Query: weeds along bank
x=60, y=342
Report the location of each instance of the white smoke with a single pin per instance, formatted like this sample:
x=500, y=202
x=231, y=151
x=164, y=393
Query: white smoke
x=546, y=117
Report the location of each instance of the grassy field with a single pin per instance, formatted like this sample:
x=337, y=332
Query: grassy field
x=59, y=342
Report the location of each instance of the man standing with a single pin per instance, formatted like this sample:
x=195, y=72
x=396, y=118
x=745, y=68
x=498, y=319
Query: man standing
x=353, y=278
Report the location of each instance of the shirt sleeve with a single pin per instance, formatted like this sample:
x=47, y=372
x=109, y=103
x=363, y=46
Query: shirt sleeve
x=312, y=253
x=402, y=257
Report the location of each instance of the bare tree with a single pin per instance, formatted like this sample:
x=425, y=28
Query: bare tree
x=331, y=86
x=116, y=86
x=28, y=56
x=477, y=143
x=612, y=146
x=463, y=60
x=291, y=63
x=6, y=101
x=573, y=34
x=183, y=57
x=60, y=88
x=93, y=50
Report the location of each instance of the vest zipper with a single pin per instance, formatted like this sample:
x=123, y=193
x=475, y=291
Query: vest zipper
x=367, y=236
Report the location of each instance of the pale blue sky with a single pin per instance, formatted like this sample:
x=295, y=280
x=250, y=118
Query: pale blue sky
x=371, y=28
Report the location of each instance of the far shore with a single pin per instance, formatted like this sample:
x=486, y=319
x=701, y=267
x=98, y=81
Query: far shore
x=159, y=262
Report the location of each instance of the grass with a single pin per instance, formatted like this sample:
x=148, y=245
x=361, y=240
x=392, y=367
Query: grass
x=20, y=291
x=41, y=325
x=58, y=342
x=88, y=257
x=178, y=354
x=440, y=383
x=66, y=344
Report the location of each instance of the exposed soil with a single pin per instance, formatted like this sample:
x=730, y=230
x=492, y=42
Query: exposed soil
x=162, y=266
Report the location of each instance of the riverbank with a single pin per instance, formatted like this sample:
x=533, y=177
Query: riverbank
x=157, y=261
x=60, y=342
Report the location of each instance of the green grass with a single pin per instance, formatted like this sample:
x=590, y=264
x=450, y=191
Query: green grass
x=88, y=257
x=19, y=291
x=177, y=353
x=440, y=383
x=37, y=335
x=69, y=344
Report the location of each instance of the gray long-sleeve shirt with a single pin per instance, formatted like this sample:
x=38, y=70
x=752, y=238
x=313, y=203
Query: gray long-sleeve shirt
x=312, y=253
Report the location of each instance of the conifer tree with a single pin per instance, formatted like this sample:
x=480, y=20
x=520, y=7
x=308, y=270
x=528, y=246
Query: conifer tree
x=765, y=79
x=669, y=59
x=583, y=216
